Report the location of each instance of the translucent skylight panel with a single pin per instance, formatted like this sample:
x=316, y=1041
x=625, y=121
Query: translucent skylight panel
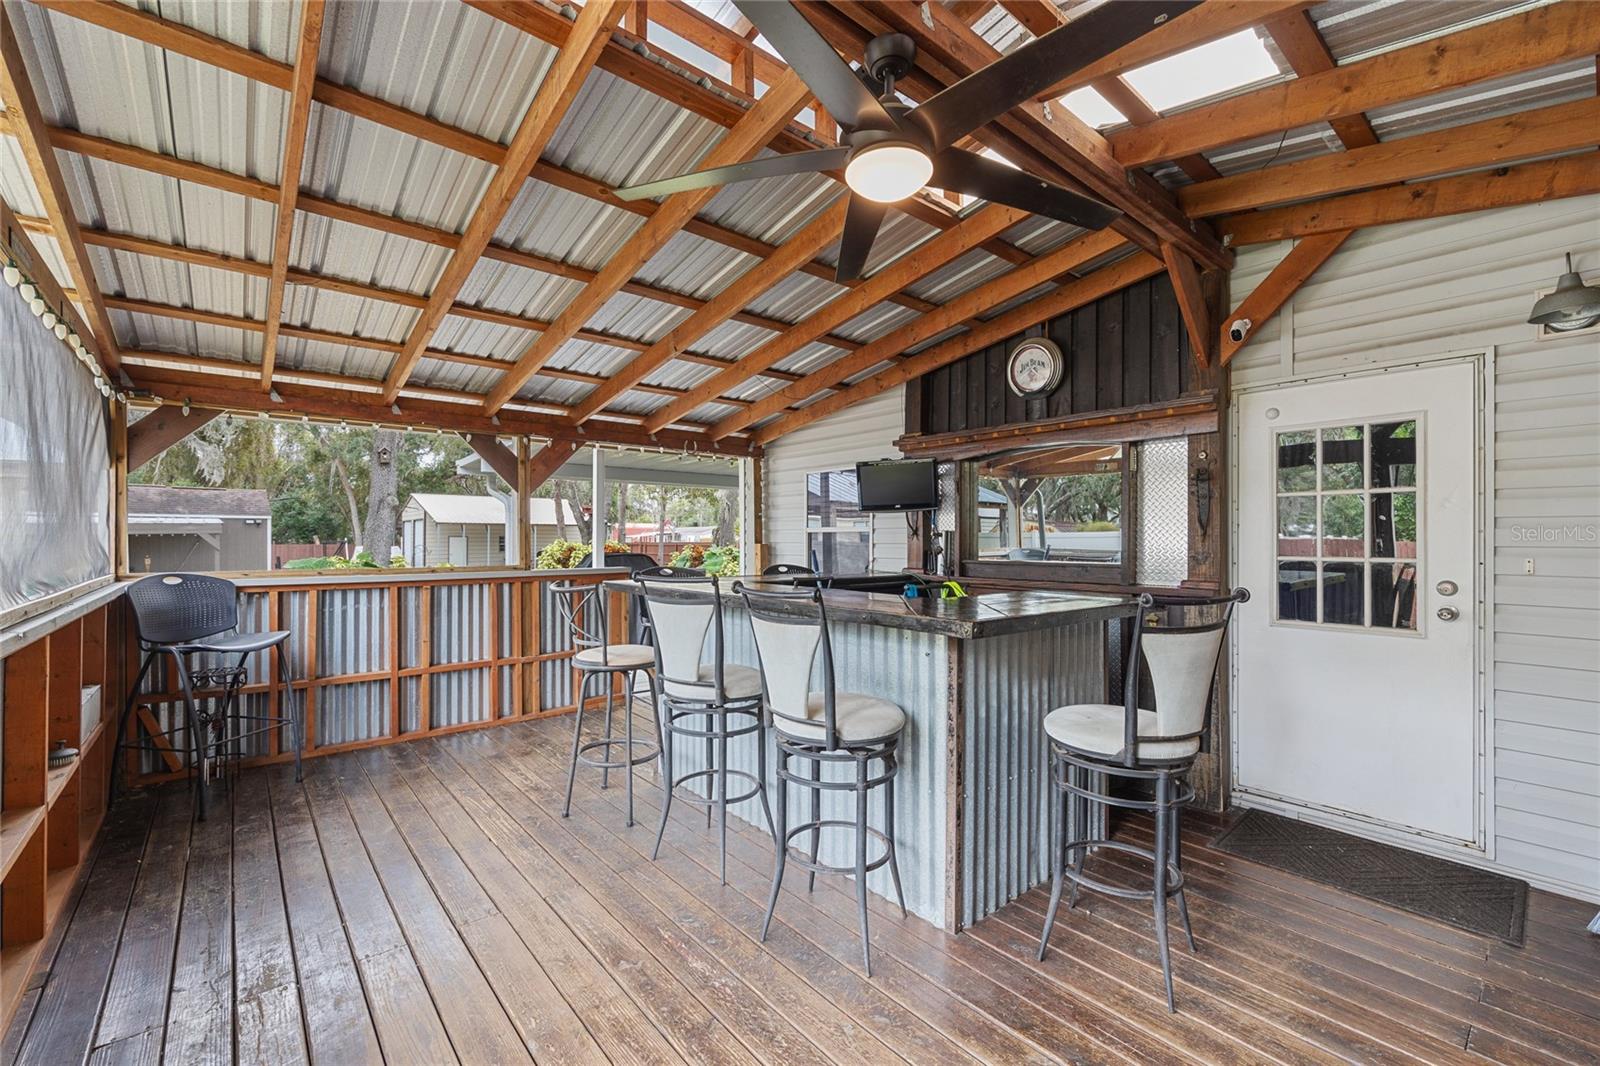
x=1204, y=71
x=1092, y=108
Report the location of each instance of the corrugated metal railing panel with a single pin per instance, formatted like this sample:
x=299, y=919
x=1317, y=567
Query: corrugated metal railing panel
x=347, y=714
x=458, y=697
x=410, y=626
x=352, y=631
x=410, y=704
x=555, y=676
x=460, y=623
x=1010, y=684
x=904, y=666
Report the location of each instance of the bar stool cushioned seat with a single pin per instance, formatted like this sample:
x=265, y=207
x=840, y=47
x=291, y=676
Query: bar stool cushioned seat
x=1096, y=728
x=857, y=717
x=616, y=657
x=738, y=683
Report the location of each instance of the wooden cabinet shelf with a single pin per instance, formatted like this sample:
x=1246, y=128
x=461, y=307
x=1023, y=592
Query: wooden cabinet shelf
x=49, y=817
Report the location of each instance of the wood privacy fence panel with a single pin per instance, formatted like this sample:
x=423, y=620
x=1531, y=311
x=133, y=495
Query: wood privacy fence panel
x=378, y=661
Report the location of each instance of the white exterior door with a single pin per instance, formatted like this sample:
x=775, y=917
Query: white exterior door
x=1357, y=694
x=457, y=550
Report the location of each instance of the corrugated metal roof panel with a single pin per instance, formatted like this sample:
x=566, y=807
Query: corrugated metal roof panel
x=795, y=297
x=1354, y=29
x=1574, y=80
x=474, y=337
x=696, y=266
x=619, y=134
x=177, y=335
x=564, y=226
x=636, y=317
x=516, y=289
x=327, y=358
x=440, y=374
x=337, y=312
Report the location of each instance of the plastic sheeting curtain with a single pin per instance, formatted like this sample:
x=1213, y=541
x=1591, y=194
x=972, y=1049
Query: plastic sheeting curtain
x=54, y=465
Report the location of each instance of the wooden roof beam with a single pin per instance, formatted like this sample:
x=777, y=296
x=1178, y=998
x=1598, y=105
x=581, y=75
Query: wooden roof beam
x=550, y=104
x=1072, y=295
x=1491, y=142
x=743, y=141
x=1298, y=38
x=821, y=232
x=1525, y=41
x=1527, y=183
x=1275, y=289
x=908, y=268
x=1008, y=286
x=294, y=151
x=1197, y=317
x=27, y=123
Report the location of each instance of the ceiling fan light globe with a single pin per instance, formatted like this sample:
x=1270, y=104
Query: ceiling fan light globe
x=888, y=173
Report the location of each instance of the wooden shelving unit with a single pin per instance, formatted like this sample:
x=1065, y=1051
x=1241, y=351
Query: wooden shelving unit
x=49, y=817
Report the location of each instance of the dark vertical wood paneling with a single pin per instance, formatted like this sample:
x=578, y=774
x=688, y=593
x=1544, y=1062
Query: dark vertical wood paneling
x=1109, y=357
x=1126, y=349
x=1136, y=361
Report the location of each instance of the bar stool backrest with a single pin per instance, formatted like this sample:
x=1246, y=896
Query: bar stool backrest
x=179, y=608
x=1183, y=661
x=791, y=629
x=582, y=608
x=685, y=606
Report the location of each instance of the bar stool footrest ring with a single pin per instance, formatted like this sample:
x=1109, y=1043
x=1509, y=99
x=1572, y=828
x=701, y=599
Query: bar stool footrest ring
x=1174, y=875
x=804, y=861
x=712, y=801
x=651, y=750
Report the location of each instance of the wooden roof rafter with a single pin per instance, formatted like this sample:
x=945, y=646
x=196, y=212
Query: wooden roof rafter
x=294, y=150
x=34, y=137
x=545, y=112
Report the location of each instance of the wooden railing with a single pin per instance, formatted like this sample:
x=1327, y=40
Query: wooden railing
x=379, y=659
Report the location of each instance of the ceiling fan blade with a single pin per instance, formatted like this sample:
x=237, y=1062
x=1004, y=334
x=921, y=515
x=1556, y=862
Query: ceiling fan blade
x=861, y=222
x=850, y=102
x=967, y=172
x=772, y=166
x=951, y=114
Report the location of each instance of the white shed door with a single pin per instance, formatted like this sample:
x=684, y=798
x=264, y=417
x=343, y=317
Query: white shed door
x=458, y=551
x=1357, y=692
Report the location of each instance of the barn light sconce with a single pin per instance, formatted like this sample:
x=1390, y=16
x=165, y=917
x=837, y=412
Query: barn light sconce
x=1571, y=306
x=1202, y=497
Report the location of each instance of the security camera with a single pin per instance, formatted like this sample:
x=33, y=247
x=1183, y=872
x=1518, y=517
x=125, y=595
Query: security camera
x=1239, y=330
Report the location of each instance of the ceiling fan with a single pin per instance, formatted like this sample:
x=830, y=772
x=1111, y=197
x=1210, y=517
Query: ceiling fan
x=890, y=150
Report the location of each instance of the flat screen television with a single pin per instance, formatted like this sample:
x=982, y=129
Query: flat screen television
x=898, y=485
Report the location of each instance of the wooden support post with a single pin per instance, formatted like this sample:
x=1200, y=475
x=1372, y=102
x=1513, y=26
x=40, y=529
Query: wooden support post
x=120, y=563
x=524, y=486
x=1276, y=288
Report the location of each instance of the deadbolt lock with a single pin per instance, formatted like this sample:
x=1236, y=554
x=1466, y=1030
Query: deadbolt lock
x=1448, y=588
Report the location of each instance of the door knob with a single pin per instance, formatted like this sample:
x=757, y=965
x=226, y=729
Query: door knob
x=1448, y=614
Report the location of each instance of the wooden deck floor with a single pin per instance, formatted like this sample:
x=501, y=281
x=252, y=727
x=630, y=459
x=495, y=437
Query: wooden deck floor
x=425, y=903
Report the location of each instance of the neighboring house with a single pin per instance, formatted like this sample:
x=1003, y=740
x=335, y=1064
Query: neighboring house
x=438, y=529
x=198, y=530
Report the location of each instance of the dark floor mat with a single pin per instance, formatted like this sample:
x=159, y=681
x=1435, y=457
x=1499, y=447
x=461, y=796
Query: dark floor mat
x=1470, y=899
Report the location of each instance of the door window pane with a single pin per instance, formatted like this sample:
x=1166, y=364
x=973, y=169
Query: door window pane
x=1297, y=592
x=1394, y=595
x=1341, y=458
x=1341, y=526
x=1343, y=597
x=1394, y=525
x=1297, y=461
x=1394, y=455
x=1297, y=525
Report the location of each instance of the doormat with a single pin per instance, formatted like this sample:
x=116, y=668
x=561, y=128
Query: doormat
x=1467, y=898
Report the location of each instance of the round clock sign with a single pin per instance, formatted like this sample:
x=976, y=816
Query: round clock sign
x=1034, y=367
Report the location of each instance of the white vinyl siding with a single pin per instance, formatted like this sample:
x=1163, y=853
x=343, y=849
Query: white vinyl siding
x=1399, y=293
x=866, y=431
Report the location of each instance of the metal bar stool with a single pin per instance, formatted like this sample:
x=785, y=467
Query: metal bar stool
x=817, y=727
x=713, y=701
x=1127, y=742
x=583, y=612
x=184, y=615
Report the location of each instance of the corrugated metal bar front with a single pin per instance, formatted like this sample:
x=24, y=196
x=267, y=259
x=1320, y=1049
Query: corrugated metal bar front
x=909, y=668
x=1009, y=684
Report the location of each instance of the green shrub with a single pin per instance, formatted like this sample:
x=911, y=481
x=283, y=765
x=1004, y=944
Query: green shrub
x=566, y=554
x=719, y=559
x=397, y=562
x=1098, y=527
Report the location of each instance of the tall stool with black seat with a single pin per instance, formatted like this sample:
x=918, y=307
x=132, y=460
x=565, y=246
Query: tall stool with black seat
x=714, y=701
x=582, y=608
x=1157, y=747
x=818, y=726
x=189, y=615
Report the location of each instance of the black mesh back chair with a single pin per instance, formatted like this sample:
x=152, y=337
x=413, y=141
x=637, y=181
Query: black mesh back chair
x=788, y=570
x=713, y=701
x=190, y=615
x=583, y=612
x=1158, y=747
x=821, y=725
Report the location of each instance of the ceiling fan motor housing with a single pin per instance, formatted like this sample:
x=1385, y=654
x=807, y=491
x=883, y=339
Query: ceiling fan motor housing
x=890, y=55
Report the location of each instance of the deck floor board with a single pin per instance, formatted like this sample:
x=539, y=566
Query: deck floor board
x=428, y=903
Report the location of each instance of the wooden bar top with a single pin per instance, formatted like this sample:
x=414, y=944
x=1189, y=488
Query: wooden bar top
x=987, y=614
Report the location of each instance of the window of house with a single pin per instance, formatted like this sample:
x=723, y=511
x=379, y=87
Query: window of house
x=1060, y=504
x=838, y=532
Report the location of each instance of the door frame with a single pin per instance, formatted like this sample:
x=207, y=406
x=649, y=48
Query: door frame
x=1481, y=850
